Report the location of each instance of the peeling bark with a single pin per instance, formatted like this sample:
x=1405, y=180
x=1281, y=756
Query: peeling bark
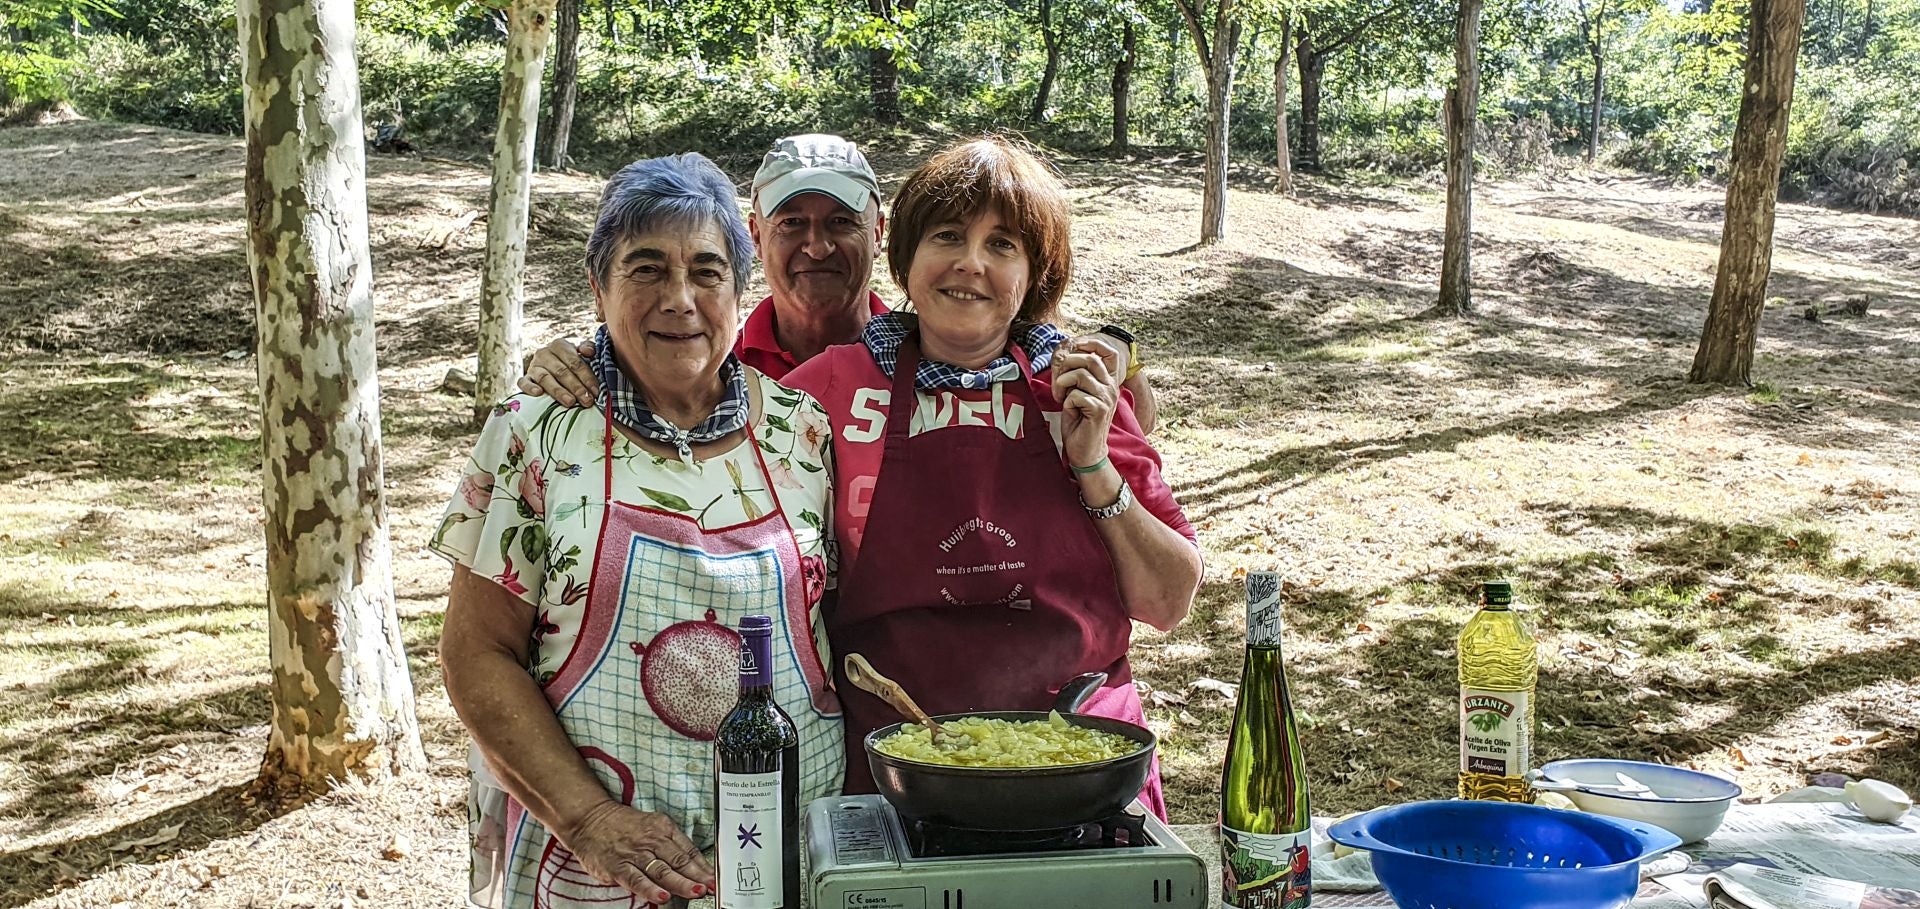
x=502, y=291
x=342, y=700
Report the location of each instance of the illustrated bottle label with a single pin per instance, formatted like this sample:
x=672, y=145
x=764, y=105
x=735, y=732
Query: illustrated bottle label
x=1263, y=609
x=750, y=846
x=1493, y=732
x=1265, y=871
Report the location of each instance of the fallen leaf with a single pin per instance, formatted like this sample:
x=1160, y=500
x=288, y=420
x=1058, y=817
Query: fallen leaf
x=1189, y=718
x=163, y=835
x=1394, y=785
x=397, y=848
x=1843, y=740
x=1739, y=757
x=1228, y=690
x=1362, y=628
x=1805, y=460
x=1163, y=698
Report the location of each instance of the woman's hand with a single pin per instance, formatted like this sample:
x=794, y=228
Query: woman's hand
x=561, y=370
x=1086, y=383
x=641, y=851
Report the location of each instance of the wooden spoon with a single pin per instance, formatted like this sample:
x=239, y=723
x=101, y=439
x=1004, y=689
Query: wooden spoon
x=861, y=673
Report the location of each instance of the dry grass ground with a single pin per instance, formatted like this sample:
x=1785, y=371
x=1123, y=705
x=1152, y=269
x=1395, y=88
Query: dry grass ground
x=1723, y=579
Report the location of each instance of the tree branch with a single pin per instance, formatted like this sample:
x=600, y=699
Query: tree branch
x=1191, y=12
x=1351, y=34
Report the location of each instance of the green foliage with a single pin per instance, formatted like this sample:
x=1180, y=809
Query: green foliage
x=1855, y=141
x=124, y=79
x=726, y=76
x=30, y=74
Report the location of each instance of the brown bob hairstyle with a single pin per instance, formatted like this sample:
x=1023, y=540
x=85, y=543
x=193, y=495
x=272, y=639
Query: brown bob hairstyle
x=989, y=174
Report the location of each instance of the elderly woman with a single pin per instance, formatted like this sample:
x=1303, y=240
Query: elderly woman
x=1001, y=519
x=603, y=555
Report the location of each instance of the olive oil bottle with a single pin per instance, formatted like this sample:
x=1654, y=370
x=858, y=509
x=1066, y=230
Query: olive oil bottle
x=1499, y=667
x=1265, y=823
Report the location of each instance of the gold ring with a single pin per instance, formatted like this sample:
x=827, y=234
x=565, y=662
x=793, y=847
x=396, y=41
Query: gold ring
x=654, y=874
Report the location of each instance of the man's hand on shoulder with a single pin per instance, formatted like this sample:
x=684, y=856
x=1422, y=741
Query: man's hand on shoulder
x=561, y=370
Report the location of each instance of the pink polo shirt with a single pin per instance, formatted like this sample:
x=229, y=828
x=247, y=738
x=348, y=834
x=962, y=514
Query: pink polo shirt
x=759, y=345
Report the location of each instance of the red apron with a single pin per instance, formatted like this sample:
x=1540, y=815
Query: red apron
x=981, y=583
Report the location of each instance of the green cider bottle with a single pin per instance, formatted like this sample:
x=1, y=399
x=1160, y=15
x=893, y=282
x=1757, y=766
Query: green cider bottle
x=1265, y=824
x=1499, y=667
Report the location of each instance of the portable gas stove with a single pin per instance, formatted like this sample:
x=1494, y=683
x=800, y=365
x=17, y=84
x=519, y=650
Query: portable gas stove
x=864, y=856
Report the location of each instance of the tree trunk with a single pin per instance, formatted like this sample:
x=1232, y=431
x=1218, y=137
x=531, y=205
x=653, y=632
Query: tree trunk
x=342, y=701
x=1866, y=33
x=1123, y=85
x=1213, y=200
x=566, y=83
x=1725, y=355
x=1311, y=64
x=613, y=25
x=883, y=72
x=1463, y=107
x=529, y=28
x=1599, y=91
x=1216, y=52
x=1052, y=42
x=1283, y=157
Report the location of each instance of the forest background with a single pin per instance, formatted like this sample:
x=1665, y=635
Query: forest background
x=1366, y=78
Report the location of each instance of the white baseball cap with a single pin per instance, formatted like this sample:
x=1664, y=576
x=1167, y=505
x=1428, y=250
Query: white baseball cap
x=814, y=163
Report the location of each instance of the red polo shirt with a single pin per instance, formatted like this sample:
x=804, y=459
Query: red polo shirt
x=759, y=346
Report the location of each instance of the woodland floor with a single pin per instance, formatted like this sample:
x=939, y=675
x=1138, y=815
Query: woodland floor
x=1724, y=579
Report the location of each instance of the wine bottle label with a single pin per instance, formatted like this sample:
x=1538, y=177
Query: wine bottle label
x=1265, y=870
x=1494, y=738
x=1263, y=609
x=751, y=850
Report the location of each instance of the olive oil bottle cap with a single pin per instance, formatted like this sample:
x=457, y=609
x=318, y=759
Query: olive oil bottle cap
x=1263, y=609
x=1497, y=593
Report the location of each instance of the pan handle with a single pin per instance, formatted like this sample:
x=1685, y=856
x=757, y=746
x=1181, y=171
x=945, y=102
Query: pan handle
x=1076, y=691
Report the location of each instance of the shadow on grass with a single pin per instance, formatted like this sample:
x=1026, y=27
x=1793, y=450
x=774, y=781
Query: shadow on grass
x=221, y=814
x=96, y=421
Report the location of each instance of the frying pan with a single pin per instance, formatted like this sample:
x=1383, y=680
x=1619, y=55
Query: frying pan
x=1017, y=798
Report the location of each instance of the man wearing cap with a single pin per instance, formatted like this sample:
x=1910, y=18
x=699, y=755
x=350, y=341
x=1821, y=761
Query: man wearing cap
x=816, y=223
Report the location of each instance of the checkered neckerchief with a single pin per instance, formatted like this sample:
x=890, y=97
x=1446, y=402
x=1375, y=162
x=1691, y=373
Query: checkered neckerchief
x=627, y=407
x=884, y=333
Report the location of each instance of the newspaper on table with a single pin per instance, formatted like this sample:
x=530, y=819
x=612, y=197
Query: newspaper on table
x=1818, y=855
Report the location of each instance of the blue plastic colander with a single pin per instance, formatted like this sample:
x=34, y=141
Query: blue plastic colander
x=1498, y=855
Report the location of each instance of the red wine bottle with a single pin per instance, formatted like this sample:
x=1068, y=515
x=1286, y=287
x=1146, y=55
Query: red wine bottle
x=757, y=784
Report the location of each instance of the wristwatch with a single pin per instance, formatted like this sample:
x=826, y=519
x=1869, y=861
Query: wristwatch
x=1118, y=508
x=1133, y=348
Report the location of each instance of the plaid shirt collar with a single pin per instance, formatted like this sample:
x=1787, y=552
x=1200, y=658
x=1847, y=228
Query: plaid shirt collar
x=884, y=333
x=626, y=405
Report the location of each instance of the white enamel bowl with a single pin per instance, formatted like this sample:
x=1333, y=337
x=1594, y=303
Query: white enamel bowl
x=1688, y=803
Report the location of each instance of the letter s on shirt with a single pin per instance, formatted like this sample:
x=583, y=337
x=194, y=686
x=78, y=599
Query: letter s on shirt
x=868, y=417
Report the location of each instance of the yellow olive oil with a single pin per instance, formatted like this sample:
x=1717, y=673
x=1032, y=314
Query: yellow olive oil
x=1499, y=668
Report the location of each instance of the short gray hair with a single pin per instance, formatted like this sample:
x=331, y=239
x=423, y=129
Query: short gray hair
x=676, y=190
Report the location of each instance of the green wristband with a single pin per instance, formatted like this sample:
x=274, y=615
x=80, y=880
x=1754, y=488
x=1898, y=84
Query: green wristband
x=1090, y=468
